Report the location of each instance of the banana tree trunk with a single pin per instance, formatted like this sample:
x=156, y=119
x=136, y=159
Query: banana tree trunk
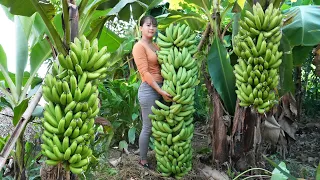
x=218, y=130
x=246, y=138
x=55, y=173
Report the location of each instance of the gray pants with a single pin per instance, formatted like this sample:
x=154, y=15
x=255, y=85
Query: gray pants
x=147, y=96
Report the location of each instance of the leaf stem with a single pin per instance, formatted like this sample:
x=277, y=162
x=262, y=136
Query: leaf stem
x=82, y=6
x=279, y=168
x=27, y=85
x=10, y=83
x=84, y=22
x=56, y=38
x=66, y=23
x=8, y=96
x=254, y=176
x=251, y=170
x=226, y=28
x=204, y=36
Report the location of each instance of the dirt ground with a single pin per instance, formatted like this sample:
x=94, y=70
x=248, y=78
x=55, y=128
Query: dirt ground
x=129, y=169
x=301, y=160
x=304, y=154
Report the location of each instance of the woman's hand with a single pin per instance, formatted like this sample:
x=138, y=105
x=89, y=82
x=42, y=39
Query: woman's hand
x=166, y=96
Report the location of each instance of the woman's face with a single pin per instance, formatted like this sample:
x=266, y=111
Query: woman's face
x=148, y=29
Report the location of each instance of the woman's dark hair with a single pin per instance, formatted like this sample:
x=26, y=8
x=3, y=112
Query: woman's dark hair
x=152, y=19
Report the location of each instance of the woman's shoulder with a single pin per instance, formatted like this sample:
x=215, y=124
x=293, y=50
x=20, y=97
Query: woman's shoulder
x=138, y=45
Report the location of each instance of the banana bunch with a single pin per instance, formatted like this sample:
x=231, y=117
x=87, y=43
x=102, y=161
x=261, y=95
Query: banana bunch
x=72, y=104
x=177, y=36
x=172, y=125
x=257, y=45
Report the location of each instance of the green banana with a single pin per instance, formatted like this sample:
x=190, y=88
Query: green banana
x=259, y=59
x=72, y=100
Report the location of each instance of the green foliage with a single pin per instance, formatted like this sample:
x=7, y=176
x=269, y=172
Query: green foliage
x=110, y=39
x=205, y=4
x=3, y=141
x=3, y=103
x=39, y=53
x=192, y=19
x=123, y=145
x=281, y=170
x=99, y=169
x=57, y=4
x=201, y=102
x=311, y=87
x=30, y=160
x=3, y=58
x=120, y=105
x=23, y=28
x=300, y=54
x=5, y=178
x=132, y=132
x=19, y=110
x=277, y=174
x=38, y=111
x=159, y=10
x=288, y=3
x=318, y=172
x=25, y=7
x=100, y=151
x=26, y=76
x=19, y=82
x=121, y=8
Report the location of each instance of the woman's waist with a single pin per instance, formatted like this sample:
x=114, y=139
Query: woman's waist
x=157, y=77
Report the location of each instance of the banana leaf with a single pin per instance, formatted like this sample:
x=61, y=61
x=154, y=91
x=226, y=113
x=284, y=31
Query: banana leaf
x=302, y=25
x=221, y=73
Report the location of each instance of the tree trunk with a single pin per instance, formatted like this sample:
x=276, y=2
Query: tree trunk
x=246, y=138
x=55, y=173
x=218, y=132
x=298, y=92
x=217, y=128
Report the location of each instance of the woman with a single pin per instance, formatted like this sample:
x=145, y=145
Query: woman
x=145, y=57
